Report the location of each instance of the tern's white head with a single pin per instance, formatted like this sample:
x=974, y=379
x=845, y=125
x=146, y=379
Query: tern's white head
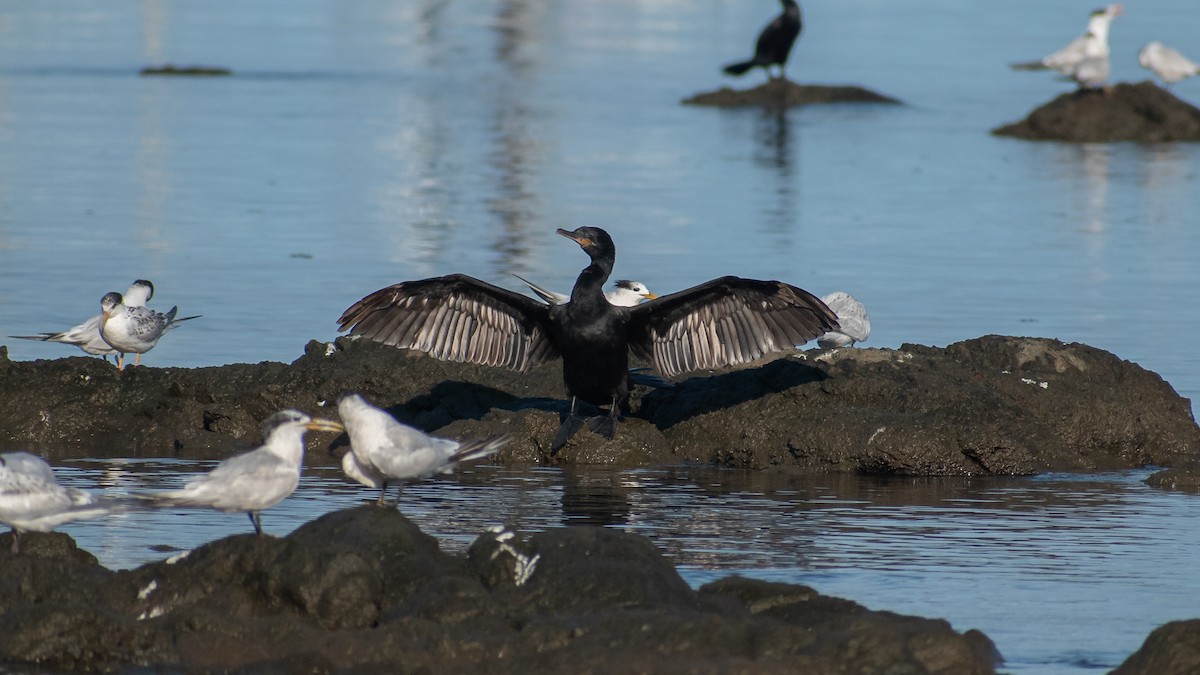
x=1098, y=23
x=292, y=421
x=629, y=293
x=140, y=292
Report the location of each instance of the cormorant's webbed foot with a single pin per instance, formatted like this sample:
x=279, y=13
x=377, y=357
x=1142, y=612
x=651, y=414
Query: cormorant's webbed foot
x=569, y=427
x=605, y=425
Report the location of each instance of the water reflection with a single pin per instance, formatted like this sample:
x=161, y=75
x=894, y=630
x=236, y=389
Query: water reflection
x=773, y=132
x=515, y=155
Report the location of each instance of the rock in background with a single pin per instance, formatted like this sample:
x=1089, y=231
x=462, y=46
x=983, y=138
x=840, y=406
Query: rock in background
x=1142, y=112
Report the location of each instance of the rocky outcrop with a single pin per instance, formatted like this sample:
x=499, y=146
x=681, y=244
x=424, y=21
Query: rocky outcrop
x=992, y=405
x=783, y=93
x=1172, y=649
x=363, y=590
x=1142, y=112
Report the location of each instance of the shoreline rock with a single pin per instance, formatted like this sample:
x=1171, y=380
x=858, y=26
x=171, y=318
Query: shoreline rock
x=1142, y=112
x=782, y=93
x=363, y=589
x=993, y=405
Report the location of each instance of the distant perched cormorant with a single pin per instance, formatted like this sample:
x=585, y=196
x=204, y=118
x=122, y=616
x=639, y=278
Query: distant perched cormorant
x=723, y=322
x=774, y=42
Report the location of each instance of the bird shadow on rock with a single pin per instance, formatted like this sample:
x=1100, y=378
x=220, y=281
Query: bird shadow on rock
x=452, y=400
x=665, y=408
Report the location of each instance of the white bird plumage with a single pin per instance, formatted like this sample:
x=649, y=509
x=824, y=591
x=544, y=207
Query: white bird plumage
x=384, y=451
x=855, y=325
x=133, y=329
x=625, y=293
x=256, y=480
x=31, y=499
x=1168, y=64
x=1093, y=69
x=1067, y=59
x=86, y=335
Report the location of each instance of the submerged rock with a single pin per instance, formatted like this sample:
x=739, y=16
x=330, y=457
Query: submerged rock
x=363, y=590
x=171, y=69
x=1142, y=112
x=992, y=405
x=1186, y=479
x=784, y=93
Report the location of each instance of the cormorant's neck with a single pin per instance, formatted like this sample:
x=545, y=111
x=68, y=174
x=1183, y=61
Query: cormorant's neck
x=590, y=284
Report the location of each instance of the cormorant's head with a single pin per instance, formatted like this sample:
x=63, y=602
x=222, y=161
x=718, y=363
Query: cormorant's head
x=593, y=240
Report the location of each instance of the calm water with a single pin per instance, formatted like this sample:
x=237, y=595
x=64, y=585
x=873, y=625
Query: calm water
x=363, y=143
x=1066, y=573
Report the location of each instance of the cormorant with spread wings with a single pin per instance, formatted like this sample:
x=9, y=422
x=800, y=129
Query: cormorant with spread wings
x=723, y=322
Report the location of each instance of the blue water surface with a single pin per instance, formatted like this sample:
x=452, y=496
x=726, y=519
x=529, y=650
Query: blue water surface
x=358, y=144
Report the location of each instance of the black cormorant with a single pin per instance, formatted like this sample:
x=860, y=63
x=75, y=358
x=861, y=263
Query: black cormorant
x=774, y=42
x=723, y=322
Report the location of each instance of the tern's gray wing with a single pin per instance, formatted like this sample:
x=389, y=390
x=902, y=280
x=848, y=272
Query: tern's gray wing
x=239, y=483
x=1065, y=59
x=86, y=336
x=410, y=453
x=148, y=325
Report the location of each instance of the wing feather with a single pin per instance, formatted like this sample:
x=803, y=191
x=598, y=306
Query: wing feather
x=725, y=322
x=456, y=318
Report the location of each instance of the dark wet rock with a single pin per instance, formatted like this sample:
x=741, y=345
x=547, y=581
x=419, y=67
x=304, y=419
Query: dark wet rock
x=1143, y=112
x=991, y=405
x=782, y=93
x=1182, y=479
x=171, y=69
x=1172, y=649
x=364, y=591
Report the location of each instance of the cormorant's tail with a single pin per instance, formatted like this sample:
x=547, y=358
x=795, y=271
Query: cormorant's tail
x=739, y=68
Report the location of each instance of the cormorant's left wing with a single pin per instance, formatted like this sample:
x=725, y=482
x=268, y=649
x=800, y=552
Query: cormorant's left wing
x=725, y=322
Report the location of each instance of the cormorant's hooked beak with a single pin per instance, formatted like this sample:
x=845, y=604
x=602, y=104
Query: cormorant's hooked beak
x=583, y=241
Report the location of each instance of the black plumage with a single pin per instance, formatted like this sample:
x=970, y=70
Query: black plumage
x=723, y=322
x=774, y=42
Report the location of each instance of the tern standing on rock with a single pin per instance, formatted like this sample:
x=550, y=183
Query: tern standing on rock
x=1168, y=64
x=31, y=500
x=133, y=330
x=253, y=481
x=384, y=451
x=86, y=335
x=1066, y=60
x=852, y=317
